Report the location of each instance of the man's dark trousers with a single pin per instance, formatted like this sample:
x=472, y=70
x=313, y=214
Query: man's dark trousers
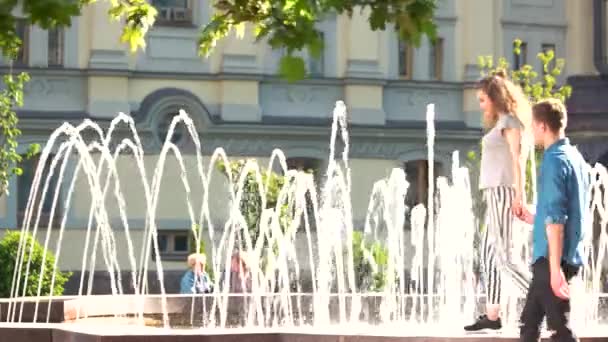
x=541, y=301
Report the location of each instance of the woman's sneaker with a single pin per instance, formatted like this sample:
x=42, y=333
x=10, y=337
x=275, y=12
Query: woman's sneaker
x=484, y=323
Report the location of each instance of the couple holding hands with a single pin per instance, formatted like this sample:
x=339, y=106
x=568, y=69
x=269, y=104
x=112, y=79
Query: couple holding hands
x=563, y=192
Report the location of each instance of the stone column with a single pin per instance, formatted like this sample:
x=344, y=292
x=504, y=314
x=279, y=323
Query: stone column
x=240, y=101
x=107, y=95
x=106, y=50
x=579, y=38
x=364, y=58
x=365, y=104
x=342, y=40
x=240, y=54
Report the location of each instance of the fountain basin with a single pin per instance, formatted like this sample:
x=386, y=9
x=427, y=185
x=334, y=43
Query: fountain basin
x=49, y=309
x=185, y=311
x=105, y=333
x=214, y=311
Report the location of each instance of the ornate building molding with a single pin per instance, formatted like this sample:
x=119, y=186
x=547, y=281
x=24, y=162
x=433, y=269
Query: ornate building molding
x=366, y=149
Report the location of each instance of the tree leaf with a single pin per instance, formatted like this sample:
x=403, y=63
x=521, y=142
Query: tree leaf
x=240, y=30
x=292, y=68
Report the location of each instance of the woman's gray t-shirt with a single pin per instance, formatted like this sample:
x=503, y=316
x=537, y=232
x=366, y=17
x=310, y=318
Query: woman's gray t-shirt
x=496, y=161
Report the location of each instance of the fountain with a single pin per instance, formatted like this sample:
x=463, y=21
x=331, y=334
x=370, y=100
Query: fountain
x=430, y=288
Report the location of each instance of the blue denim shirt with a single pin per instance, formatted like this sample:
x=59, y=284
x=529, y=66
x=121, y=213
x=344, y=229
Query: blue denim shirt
x=563, y=194
x=190, y=284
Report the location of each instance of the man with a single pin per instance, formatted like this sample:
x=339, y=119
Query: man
x=563, y=191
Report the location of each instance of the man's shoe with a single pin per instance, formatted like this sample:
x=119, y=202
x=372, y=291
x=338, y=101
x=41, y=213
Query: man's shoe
x=483, y=323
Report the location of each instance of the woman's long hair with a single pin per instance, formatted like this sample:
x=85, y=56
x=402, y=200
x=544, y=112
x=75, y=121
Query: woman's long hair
x=507, y=98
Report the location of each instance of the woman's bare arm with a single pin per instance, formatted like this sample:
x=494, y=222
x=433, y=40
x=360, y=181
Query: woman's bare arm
x=513, y=137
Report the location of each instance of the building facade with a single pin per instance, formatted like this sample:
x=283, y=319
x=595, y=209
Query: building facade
x=238, y=102
x=588, y=107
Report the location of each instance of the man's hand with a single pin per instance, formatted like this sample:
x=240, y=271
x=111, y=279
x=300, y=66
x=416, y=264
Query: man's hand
x=526, y=215
x=559, y=285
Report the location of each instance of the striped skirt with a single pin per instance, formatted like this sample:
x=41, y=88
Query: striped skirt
x=496, y=240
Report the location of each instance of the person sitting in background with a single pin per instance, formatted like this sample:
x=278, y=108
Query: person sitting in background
x=196, y=280
x=240, y=275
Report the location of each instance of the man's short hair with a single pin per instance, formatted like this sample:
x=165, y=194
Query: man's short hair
x=552, y=113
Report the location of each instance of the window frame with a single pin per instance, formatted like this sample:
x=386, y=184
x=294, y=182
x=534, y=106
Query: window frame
x=161, y=133
x=60, y=50
x=171, y=22
x=171, y=254
x=318, y=61
x=306, y=164
x=45, y=216
x=522, y=59
x=23, y=56
x=416, y=173
x=408, y=55
x=436, y=56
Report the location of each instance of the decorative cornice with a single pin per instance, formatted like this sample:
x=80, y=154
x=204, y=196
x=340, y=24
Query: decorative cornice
x=447, y=19
x=360, y=148
x=363, y=144
x=233, y=76
x=395, y=130
x=416, y=84
x=546, y=25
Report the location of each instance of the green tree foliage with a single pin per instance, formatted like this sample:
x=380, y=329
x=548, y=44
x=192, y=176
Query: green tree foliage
x=251, y=201
x=537, y=86
x=291, y=24
x=9, y=248
x=138, y=16
x=10, y=97
x=284, y=24
x=251, y=205
x=370, y=260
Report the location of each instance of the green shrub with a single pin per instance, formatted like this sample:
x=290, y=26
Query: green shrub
x=370, y=260
x=251, y=201
x=9, y=247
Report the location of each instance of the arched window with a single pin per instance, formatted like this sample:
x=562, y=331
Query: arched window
x=163, y=124
x=311, y=165
x=305, y=164
x=604, y=160
x=24, y=188
x=405, y=61
x=417, y=175
x=158, y=109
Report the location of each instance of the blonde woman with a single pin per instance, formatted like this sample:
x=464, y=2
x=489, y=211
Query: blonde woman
x=507, y=117
x=196, y=279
